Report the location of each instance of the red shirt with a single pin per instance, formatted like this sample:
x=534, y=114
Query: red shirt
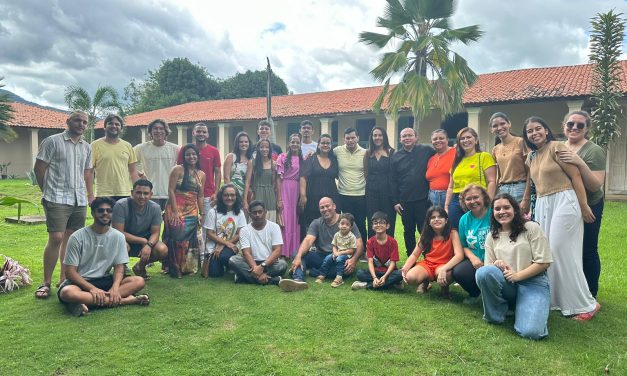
x=382, y=253
x=439, y=170
x=209, y=160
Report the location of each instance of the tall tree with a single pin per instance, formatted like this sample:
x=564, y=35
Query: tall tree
x=6, y=115
x=606, y=39
x=104, y=101
x=251, y=84
x=431, y=74
x=175, y=82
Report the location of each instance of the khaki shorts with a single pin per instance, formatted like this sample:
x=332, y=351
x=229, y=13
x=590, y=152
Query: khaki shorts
x=60, y=217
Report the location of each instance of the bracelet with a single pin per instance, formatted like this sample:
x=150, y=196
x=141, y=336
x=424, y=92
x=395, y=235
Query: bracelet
x=150, y=245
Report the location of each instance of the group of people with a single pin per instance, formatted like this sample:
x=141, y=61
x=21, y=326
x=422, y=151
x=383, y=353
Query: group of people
x=320, y=207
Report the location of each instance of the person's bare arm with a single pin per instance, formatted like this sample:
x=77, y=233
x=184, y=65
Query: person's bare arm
x=531, y=271
x=217, y=178
x=226, y=168
x=490, y=177
x=247, y=187
x=88, y=175
x=175, y=174
x=302, y=199
x=305, y=246
x=592, y=180
x=575, y=177
x=40, y=169
x=132, y=172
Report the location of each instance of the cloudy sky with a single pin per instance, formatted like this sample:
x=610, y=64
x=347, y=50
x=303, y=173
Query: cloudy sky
x=46, y=45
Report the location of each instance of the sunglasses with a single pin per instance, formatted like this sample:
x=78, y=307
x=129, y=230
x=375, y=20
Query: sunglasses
x=573, y=124
x=104, y=210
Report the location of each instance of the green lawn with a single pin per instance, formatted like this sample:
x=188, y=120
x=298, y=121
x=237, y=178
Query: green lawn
x=194, y=326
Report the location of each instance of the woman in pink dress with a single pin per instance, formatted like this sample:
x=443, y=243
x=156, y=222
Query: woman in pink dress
x=287, y=181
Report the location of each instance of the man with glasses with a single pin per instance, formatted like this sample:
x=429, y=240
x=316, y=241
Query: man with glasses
x=91, y=253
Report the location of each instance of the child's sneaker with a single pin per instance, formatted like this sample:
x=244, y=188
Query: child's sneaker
x=338, y=281
x=320, y=280
x=359, y=285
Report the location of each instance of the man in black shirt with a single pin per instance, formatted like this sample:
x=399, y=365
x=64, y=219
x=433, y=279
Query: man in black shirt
x=410, y=188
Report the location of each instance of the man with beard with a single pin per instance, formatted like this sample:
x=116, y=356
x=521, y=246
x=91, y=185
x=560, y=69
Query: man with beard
x=156, y=158
x=91, y=253
x=210, y=164
x=114, y=161
x=139, y=219
x=410, y=188
x=65, y=176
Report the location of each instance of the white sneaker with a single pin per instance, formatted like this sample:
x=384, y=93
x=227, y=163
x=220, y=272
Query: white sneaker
x=290, y=285
x=359, y=285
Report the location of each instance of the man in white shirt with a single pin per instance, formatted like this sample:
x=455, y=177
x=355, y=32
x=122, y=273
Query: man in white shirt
x=261, y=243
x=307, y=145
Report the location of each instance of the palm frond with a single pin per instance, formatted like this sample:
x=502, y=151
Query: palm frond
x=379, y=40
x=77, y=98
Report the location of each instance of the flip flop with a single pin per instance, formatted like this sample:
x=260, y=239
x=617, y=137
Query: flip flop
x=43, y=291
x=143, y=300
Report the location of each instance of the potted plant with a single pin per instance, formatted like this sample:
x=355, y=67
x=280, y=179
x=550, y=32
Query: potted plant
x=4, y=170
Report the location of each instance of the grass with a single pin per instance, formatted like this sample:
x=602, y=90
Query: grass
x=194, y=326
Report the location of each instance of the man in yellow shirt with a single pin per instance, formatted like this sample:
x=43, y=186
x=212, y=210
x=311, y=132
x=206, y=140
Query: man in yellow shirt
x=114, y=161
x=351, y=180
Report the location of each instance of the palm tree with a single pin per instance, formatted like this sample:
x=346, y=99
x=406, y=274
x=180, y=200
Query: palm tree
x=105, y=100
x=432, y=74
x=6, y=114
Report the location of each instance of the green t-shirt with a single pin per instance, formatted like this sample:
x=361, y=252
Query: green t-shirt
x=595, y=158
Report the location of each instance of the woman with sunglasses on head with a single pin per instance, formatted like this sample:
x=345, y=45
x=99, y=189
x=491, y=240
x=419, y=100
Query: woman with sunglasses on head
x=560, y=206
x=471, y=166
x=590, y=159
x=517, y=255
x=317, y=180
x=510, y=155
x=184, y=209
x=377, y=170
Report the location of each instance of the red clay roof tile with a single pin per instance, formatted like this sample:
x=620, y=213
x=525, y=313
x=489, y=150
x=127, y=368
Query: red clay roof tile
x=25, y=115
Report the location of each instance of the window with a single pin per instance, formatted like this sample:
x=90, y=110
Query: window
x=291, y=129
x=403, y=122
x=364, y=127
x=334, y=133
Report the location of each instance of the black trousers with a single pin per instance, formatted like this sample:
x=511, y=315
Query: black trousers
x=413, y=216
x=356, y=205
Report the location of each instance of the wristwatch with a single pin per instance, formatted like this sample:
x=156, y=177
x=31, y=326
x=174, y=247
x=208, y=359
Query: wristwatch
x=263, y=265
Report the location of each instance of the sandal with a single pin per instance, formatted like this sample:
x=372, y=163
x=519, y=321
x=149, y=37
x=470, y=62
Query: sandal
x=140, y=273
x=143, y=300
x=43, y=291
x=77, y=309
x=587, y=316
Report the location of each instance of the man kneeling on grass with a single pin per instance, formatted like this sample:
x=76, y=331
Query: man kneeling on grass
x=91, y=253
x=261, y=242
x=139, y=219
x=382, y=253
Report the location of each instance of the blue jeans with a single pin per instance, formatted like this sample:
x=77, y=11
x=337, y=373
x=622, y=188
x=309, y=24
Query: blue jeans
x=531, y=297
x=455, y=211
x=329, y=263
x=437, y=198
x=516, y=190
x=313, y=262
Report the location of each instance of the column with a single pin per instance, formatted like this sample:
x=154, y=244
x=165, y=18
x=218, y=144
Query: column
x=391, y=129
x=574, y=105
x=143, y=131
x=34, y=145
x=181, y=135
x=473, y=118
x=325, y=125
x=223, y=139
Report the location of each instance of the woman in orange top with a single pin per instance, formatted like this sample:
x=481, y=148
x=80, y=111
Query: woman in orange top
x=442, y=250
x=439, y=167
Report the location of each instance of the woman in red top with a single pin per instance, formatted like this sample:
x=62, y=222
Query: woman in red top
x=442, y=250
x=439, y=167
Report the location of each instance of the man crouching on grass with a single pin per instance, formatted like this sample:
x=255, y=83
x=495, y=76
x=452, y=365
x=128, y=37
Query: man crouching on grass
x=91, y=253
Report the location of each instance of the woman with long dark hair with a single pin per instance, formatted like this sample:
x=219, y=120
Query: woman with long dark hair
x=184, y=210
x=261, y=179
x=222, y=223
x=561, y=207
x=287, y=181
x=317, y=180
x=236, y=163
x=471, y=166
x=377, y=169
x=510, y=155
x=442, y=250
x=590, y=158
x=517, y=255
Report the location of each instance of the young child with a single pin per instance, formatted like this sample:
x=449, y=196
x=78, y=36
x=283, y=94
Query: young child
x=442, y=250
x=344, y=245
x=382, y=253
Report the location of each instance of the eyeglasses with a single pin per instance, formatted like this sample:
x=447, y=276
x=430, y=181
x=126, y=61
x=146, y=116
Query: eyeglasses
x=104, y=210
x=379, y=223
x=572, y=124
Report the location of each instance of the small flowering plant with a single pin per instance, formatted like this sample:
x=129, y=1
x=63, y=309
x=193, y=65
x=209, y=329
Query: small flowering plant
x=13, y=275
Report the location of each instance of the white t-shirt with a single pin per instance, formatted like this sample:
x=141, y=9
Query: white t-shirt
x=225, y=225
x=156, y=162
x=308, y=148
x=95, y=254
x=260, y=241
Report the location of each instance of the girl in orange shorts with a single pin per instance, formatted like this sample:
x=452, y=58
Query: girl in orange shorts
x=442, y=250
